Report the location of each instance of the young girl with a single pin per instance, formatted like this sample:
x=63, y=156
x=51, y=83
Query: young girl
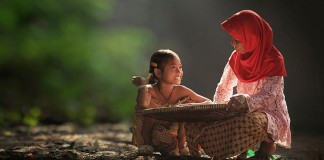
x=164, y=89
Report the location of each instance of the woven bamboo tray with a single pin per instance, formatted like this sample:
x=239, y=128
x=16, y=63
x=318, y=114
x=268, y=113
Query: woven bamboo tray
x=197, y=113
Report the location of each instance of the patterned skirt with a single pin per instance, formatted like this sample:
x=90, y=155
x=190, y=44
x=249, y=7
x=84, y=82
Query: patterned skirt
x=164, y=135
x=228, y=138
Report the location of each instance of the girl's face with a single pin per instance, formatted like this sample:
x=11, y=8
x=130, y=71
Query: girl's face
x=238, y=46
x=172, y=72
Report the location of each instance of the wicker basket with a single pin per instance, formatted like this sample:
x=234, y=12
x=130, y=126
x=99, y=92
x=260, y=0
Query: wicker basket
x=198, y=113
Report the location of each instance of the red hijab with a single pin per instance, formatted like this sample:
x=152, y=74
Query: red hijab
x=262, y=58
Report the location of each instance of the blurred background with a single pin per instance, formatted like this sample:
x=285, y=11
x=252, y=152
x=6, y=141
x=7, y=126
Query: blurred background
x=72, y=61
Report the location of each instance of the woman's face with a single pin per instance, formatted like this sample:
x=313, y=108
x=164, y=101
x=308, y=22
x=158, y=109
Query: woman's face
x=238, y=46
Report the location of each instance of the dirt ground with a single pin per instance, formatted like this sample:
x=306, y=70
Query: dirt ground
x=110, y=141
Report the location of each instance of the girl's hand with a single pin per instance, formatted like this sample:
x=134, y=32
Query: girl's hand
x=138, y=80
x=237, y=101
x=189, y=104
x=187, y=101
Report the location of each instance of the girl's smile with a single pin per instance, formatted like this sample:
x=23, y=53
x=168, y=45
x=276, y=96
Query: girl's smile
x=173, y=71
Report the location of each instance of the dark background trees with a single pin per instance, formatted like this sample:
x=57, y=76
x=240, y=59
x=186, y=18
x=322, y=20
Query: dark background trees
x=61, y=61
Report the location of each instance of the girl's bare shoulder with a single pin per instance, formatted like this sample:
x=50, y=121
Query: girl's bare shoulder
x=182, y=88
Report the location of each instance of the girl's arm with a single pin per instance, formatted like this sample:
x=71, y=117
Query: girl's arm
x=193, y=96
x=143, y=101
x=143, y=96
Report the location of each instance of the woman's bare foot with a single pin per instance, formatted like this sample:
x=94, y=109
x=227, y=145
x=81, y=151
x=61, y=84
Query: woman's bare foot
x=242, y=156
x=265, y=151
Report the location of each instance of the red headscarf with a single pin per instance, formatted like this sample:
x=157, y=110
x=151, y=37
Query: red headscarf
x=262, y=58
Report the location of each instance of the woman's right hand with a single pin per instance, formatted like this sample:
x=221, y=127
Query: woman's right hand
x=237, y=101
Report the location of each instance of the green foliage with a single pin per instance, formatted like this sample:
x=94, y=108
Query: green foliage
x=32, y=116
x=29, y=117
x=64, y=58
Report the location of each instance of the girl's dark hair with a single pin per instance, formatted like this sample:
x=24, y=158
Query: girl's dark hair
x=158, y=60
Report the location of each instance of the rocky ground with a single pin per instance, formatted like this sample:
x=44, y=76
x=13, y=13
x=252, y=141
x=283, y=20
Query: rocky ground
x=109, y=141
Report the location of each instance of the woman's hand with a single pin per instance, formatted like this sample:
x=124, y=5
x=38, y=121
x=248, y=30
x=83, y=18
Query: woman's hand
x=237, y=101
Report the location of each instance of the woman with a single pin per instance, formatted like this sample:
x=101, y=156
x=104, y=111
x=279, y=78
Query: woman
x=256, y=68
